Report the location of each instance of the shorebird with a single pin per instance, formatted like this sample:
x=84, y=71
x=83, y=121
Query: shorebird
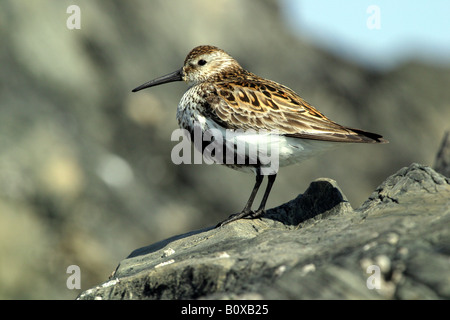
x=223, y=96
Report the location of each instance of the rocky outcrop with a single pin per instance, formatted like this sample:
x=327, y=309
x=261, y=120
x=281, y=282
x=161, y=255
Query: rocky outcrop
x=395, y=246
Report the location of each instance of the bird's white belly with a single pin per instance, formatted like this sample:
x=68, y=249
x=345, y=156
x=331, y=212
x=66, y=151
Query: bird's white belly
x=263, y=147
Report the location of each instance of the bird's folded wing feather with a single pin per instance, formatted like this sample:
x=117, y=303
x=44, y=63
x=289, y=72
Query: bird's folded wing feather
x=258, y=103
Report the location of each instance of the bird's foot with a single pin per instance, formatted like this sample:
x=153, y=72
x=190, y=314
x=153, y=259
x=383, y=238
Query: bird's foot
x=241, y=215
x=256, y=214
x=235, y=217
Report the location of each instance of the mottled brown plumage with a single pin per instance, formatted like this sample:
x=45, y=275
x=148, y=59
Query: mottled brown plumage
x=241, y=100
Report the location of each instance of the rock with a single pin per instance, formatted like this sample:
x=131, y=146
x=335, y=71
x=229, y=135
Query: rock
x=395, y=246
x=442, y=162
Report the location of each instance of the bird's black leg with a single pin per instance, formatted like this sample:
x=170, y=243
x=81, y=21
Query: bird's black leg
x=248, y=207
x=261, y=210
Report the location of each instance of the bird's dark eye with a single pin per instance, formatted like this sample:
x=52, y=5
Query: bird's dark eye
x=201, y=62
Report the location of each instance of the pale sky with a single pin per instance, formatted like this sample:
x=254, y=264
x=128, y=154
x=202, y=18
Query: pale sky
x=377, y=33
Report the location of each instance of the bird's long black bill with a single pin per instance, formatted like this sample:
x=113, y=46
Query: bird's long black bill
x=171, y=77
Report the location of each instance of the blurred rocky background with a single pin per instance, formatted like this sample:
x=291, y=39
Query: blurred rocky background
x=85, y=169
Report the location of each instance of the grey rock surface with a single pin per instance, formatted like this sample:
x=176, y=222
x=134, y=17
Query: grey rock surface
x=395, y=246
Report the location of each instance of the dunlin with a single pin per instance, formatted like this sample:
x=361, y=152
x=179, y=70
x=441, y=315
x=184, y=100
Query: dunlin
x=223, y=96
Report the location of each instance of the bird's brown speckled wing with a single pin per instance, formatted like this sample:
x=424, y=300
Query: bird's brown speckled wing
x=251, y=102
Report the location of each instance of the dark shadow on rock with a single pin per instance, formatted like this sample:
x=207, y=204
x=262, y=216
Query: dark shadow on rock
x=323, y=198
x=442, y=162
x=163, y=243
